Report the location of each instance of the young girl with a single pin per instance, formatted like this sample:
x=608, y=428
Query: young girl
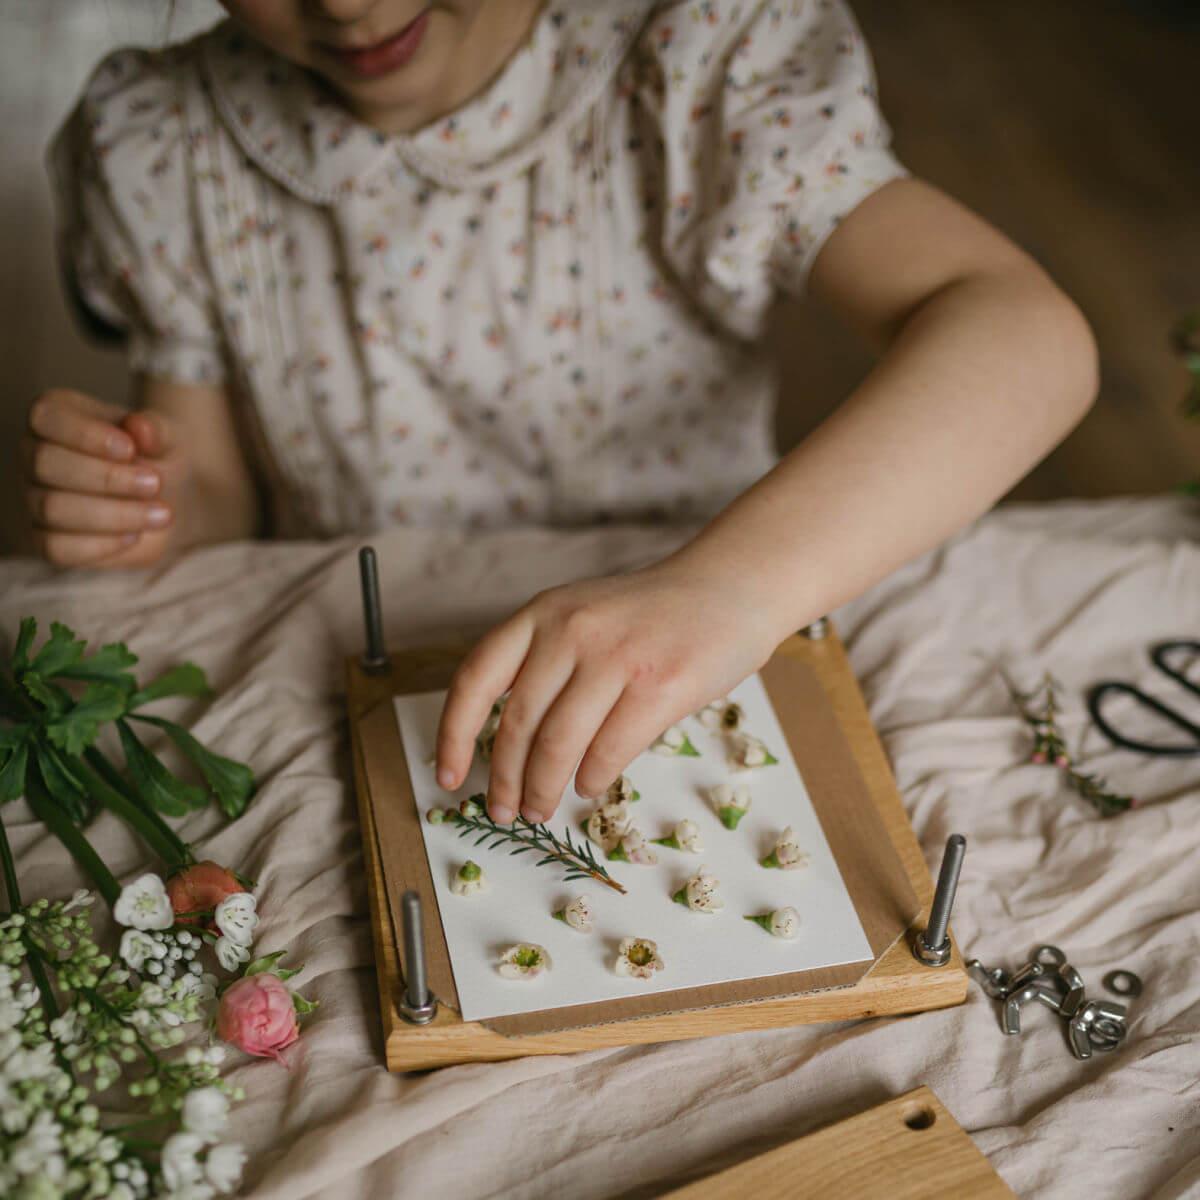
x=474, y=263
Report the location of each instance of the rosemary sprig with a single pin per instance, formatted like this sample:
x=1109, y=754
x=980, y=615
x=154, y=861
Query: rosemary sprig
x=1039, y=710
x=576, y=858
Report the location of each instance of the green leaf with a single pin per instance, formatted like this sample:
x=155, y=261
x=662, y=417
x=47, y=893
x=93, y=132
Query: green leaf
x=687, y=750
x=155, y=785
x=12, y=775
x=61, y=782
x=75, y=730
x=303, y=1006
x=264, y=965
x=28, y=631
x=62, y=649
x=232, y=782
x=187, y=679
x=108, y=665
x=11, y=736
x=50, y=696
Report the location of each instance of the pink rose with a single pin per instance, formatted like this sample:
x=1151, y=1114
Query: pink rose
x=257, y=1015
x=200, y=888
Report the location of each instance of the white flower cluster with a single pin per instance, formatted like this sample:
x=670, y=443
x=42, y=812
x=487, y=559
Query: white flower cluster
x=196, y=1165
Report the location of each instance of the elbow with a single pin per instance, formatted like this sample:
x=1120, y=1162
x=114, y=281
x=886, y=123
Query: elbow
x=1080, y=357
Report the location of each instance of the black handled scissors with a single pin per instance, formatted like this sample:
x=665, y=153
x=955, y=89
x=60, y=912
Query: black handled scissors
x=1158, y=656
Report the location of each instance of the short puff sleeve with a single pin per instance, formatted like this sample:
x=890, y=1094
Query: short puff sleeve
x=772, y=135
x=127, y=232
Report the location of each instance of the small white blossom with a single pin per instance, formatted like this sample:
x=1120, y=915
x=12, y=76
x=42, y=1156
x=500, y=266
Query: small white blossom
x=577, y=914
x=745, y=750
x=673, y=741
x=633, y=848
x=786, y=855
x=525, y=960
x=782, y=923
x=179, y=1163
x=685, y=836
x=205, y=1113
x=81, y=898
x=137, y=947
x=608, y=824
x=486, y=740
x=223, y=1167
x=731, y=803
x=231, y=955
x=700, y=893
x=621, y=790
x=468, y=878
x=143, y=904
x=236, y=917
x=65, y=1028
x=637, y=958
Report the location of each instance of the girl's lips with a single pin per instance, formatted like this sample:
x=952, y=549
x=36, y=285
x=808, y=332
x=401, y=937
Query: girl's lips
x=385, y=57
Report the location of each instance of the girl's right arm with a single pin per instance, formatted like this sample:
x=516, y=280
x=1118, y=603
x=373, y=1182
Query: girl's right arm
x=115, y=488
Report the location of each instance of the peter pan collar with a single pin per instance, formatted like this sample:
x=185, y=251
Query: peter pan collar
x=290, y=126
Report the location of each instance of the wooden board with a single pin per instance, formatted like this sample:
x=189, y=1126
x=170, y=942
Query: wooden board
x=896, y=983
x=910, y=1148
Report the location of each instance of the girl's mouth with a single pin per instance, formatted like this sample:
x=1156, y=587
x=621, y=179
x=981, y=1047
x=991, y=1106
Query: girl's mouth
x=372, y=62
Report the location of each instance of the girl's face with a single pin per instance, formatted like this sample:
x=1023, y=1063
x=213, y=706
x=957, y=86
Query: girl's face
x=397, y=64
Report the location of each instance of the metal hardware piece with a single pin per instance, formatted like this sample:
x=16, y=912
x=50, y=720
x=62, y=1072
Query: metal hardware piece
x=1075, y=993
x=1124, y=983
x=1010, y=1014
x=1050, y=956
x=933, y=946
x=1078, y=1032
x=375, y=658
x=1025, y=975
x=417, y=1005
x=993, y=980
x=817, y=630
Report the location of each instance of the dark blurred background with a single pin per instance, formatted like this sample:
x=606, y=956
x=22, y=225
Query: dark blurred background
x=1072, y=125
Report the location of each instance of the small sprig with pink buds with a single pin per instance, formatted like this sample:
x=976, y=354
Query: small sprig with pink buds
x=1039, y=710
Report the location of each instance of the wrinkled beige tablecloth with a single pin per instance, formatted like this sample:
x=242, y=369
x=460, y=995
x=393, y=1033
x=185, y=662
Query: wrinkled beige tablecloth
x=1081, y=589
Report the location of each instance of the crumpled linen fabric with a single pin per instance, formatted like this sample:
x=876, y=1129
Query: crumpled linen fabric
x=1080, y=589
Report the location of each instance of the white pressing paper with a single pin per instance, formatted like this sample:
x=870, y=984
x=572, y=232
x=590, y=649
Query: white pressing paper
x=697, y=949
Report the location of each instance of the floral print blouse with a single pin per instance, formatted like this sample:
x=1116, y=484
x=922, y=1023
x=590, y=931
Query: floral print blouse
x=543, y=308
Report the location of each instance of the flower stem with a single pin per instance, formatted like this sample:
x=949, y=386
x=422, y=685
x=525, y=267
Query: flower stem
x=71, y=837
x=13, y=891
x=108, y=788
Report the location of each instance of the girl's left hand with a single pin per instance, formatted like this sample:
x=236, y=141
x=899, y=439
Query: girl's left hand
x=595, y=672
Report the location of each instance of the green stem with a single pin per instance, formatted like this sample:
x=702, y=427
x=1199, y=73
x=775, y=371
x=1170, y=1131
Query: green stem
x=13, y=891
x=109, y=789
x=72, y=838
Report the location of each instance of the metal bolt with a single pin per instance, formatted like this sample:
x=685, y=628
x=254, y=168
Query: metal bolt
x=375, y=658
x=817, y=630
x=933, y=946
x=418, y=1005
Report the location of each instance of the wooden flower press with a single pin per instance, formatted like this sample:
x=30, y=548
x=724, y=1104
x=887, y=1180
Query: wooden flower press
x=846, y=773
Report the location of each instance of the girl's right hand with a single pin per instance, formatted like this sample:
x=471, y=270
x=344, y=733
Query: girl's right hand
x=102, y=481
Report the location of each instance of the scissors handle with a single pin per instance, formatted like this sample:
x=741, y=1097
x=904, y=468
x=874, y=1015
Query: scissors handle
x=1158, y=656
x=1173, y=750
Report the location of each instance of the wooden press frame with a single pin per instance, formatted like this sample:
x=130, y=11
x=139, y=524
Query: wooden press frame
x=897, y=983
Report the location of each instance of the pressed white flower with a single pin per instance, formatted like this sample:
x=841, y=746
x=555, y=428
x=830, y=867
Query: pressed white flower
x=633, y=848
x=782, y=923
x=638, y=958
x=674, y=741
x=231, y=955
x=205, y=1113
x=525, y=960
x=608, y=824
x=745, y=750
x=710, y=715
x=435, y=816
x=143, y=904
x=621, y=790
x=223, y=1166
x=685, y=836
x=468, y=878
x=471, y=807
x=700, y=893
x=731, y=803
x=786, y=855
x=178, y=1160
x=577, y=914
x=236, y=917
x=486, y=740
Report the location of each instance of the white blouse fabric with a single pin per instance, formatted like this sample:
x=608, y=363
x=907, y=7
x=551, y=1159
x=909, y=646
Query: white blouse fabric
x=540, y=309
